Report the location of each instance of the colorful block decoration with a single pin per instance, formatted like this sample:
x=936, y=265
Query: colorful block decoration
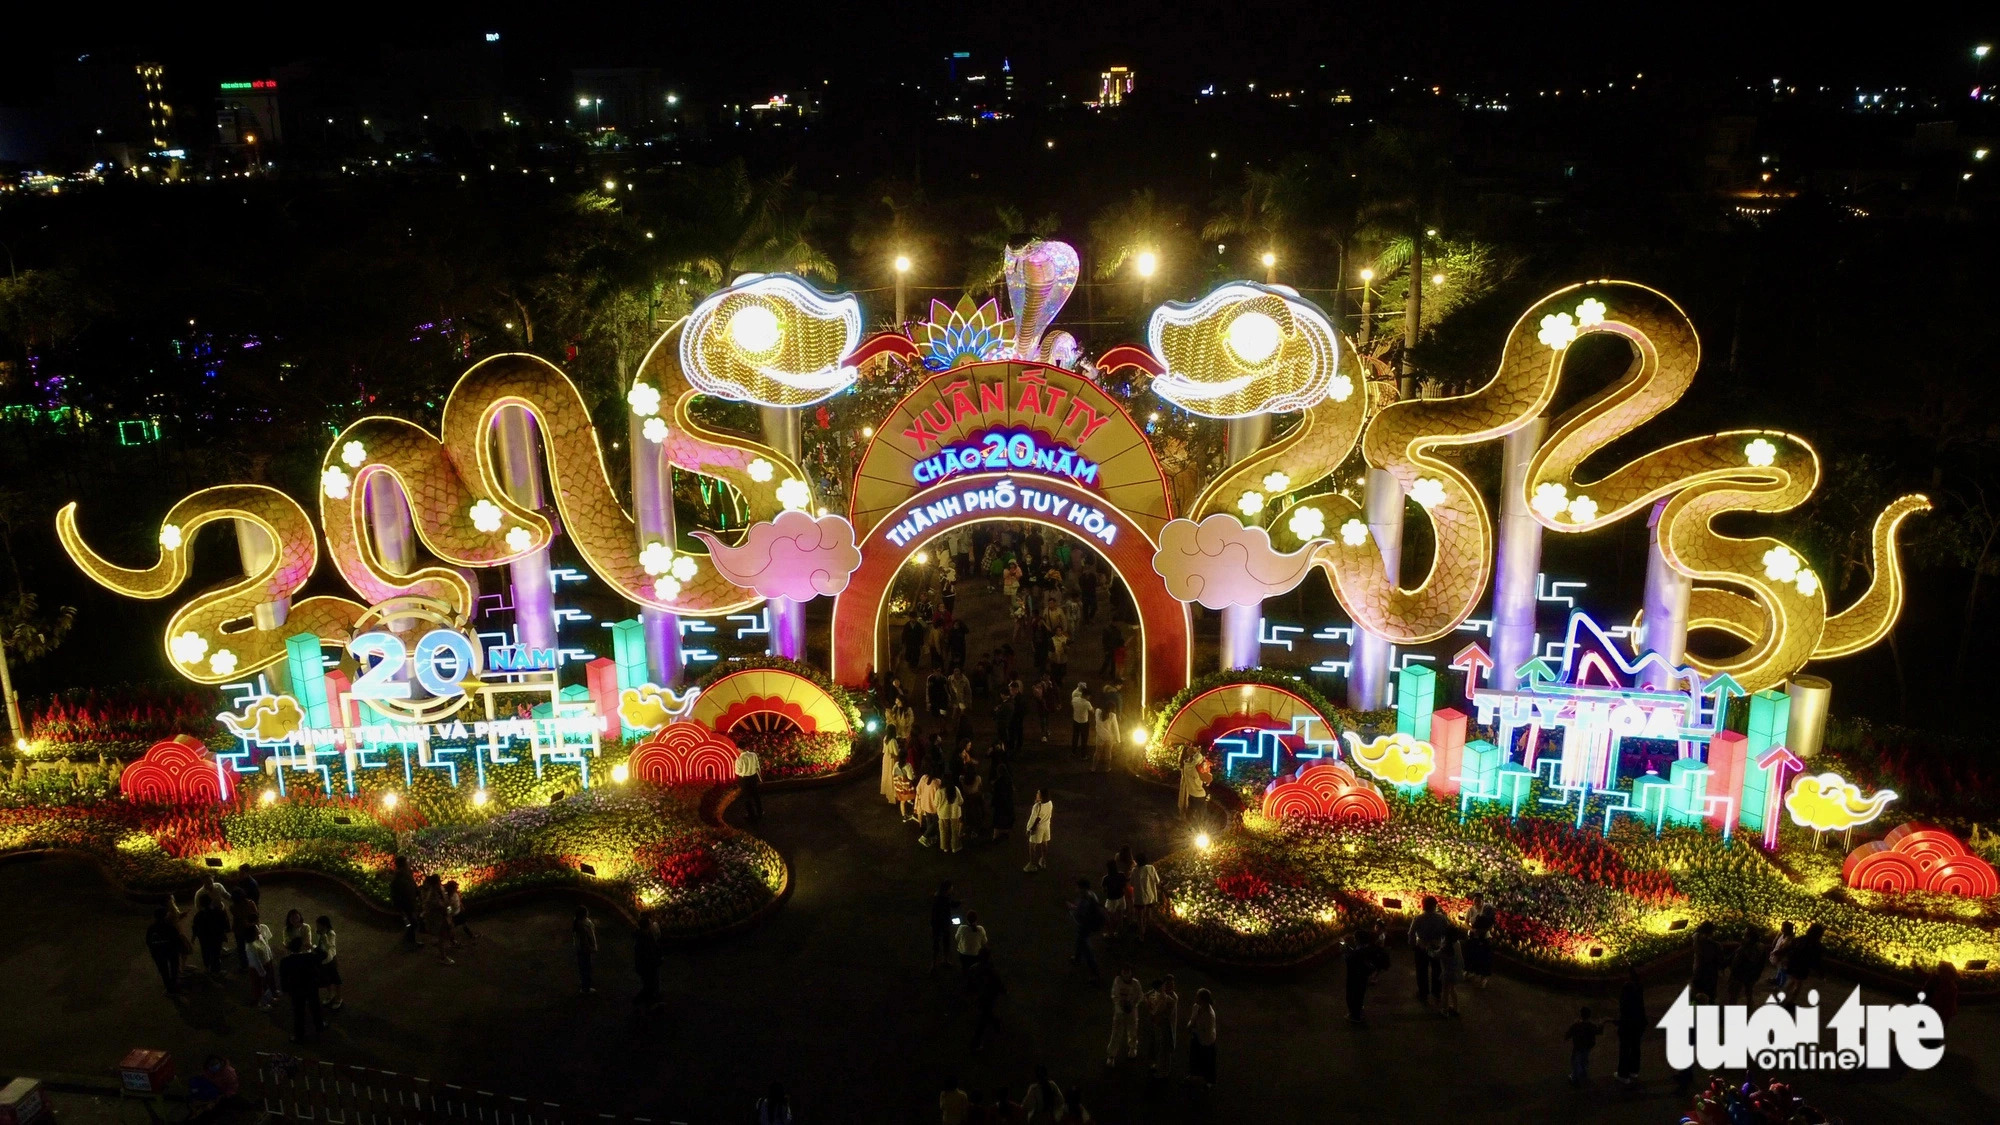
x=1416, y=697
x=602, y=676
x=1729, y=758
x=628, y=648
x=1448, y=741
x=308, y=677
x=1770, y=719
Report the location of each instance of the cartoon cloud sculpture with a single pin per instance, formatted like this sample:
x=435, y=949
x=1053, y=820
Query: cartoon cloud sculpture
x=1219, y=562
x=1828, y=802
x=1246, y=349
x=771, y=339
x=1395, y=758
x=265, y=718
x=795, y=556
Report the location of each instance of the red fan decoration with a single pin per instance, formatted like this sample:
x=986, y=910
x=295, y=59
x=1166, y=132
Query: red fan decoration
x=1917, y=857
x=177, y=771
x=1326, y=791
x=684, y=754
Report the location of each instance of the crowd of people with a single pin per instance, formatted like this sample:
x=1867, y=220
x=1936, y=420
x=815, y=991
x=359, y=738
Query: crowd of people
x=225, y=925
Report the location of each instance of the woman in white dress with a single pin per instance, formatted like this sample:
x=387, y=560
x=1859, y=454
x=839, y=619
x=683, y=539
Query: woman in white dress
x=892, y=753
x=1039, y=818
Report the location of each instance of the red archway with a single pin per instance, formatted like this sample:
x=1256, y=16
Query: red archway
x=1165, y=636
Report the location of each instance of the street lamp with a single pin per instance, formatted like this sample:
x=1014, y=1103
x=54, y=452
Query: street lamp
x=1270, y=268
x=1367, y=307
x=1147, y=264
x=1437, y=279
x=902, y=277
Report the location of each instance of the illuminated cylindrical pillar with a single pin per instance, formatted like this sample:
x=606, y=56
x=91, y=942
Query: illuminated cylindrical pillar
x=390, y=526
x=1806, y=731
x=1368, y=671
x=1517, y=558
x=788, y=618
x=520, y=475
x=1244, y=437
x=1667, y=593
x=256, y=548
x=653, y=509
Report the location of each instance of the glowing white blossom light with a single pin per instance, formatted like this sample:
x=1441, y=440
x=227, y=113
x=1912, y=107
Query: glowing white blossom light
x=354, y=454
x=1557, y=331
x=1760, y=453
x=519, y=538
x=645, y=399
x=1781, y=564
x=486, y=515
x=1590, y=313
x=170, y=537
x=1276, y=482
x=684, y=568
x=760, y=470
x=1250, y=503
x=1427, y=491
x=223, y=663
x=1807, y=582
x=335, y=482
x=656, y=559
x=793, y=493
x=188, y=648
x=1582, y=510
x=1354, y=533
x=1340, y=389
x=1551, y=498
x=667, y=589
x=1307, y=523
x=655, y=430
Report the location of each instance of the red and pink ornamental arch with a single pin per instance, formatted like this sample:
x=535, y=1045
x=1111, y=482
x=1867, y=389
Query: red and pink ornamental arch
x=1020, y=441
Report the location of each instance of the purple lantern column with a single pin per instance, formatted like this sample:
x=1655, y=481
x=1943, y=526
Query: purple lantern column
x=1368, y=660
x=653, y=509
x=1667, y=594
x=1244, y=437
x=1518, y=558
x=788, y=618
x=520, y=475
x=390, y=526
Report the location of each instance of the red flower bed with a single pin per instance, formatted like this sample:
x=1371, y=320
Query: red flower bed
x=1567, y=850
x=680, y=863
x=1243, y=886
x=1521, y=931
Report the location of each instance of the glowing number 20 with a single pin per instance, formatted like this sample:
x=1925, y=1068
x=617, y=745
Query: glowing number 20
x=379, y=680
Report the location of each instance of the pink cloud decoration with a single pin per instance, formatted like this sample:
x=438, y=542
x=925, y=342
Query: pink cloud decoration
x=1219, y=562
x=794, y=556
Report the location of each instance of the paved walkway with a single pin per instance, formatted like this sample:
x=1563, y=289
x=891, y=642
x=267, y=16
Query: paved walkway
x=833, y=998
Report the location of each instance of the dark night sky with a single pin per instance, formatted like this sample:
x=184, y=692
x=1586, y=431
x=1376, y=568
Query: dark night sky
x=1178, y=45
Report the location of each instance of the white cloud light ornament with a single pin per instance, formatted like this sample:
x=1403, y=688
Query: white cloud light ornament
x=797, y=556
x=1219, y=562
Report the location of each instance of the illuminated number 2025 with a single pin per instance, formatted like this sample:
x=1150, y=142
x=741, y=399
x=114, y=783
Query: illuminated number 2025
x=435, y=648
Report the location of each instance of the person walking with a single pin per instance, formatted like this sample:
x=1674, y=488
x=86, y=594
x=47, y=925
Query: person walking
x=211, y=929
x=1427, y=933
x=1452, y=962
x=987, y=988
x=1802, y=961
x=892, y=756
x=1163, y=1024
x=328, y=944
x=298, y=973
x=163, y=943
x=1043, y=1104
x=944, y=920
x=403, y=897
x=1201, y=1029
x=1746, y=965
x=583, y=932
x=263, y=965
x=1126, y=995
x=1479, y=945
x=971, y=944
x=1117, y=888
x=1041, y=815
x=954, y=1104
x=926, y=805
x=1581, y=1036
x=437, y=917
x=1145, y=892
x=1080, y=715
x=1088, y=914
x=749, y=783
x=454, y=912
x=1001, y=778
x=1781, y=948
x=951, y=818
x=1632, y=1024
x=1364, y=958
x=1107, y=733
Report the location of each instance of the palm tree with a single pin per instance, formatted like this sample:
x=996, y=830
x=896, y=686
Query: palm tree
x=1123, y=232
x=987, y=268
x=1412, y=184
x=726, y=222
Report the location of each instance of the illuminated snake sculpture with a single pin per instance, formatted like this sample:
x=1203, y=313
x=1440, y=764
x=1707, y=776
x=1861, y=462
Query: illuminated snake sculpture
x=459, y=507
x=1307, y=361
x=1784, y=618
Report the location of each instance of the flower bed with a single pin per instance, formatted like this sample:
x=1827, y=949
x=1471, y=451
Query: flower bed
x=85, y=722
x=1567, y=900
x=646, y=847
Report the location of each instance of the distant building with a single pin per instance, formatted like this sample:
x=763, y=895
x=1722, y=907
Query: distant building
x=1113, y=85
x=246, y=113
x=159, y=114
x=632, y=99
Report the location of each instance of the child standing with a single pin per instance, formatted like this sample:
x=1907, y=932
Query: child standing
x=1582, y=1036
